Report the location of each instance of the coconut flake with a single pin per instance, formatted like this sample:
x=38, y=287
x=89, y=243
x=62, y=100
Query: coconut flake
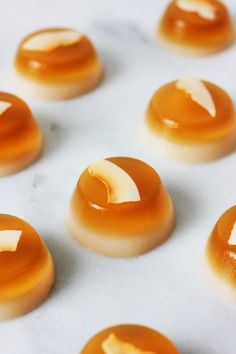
x=202, y=8
x=198, y=92
x=9, y=240
x=232, y=238
x=4, y=106
x=113, y=345
x=47, y=41
x=120, y=186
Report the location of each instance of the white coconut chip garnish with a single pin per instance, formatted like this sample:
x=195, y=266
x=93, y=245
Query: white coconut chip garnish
x=47, y=41
x=198, y=92
x=202, y=8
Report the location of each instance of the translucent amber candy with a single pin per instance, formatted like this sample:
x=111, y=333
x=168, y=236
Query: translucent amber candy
x=26, y=268
x=191, y=120
x=120, y=208
x=129, y=339
x=221, y=255
x=20, y=135
x=57, y=63
x=196, y=26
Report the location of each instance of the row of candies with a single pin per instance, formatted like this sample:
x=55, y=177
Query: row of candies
x=189, y=119
x=120, y=208
x=61, y=63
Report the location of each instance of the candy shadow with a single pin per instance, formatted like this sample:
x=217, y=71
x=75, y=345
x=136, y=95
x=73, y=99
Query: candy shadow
x=111, y=66
x=186, y=207
x=184, y=349
x=66, y=263
x=189, y=351
x=53, y=134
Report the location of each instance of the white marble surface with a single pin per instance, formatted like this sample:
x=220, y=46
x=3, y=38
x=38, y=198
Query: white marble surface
x=166, y=288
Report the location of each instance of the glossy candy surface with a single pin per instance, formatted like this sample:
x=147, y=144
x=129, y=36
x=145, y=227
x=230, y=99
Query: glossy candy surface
x=174, y=115
x=60, y=63
x=22, y=269
x=143, y=338
x=220, y=252
x=20, y=135
x=90, y=203
x=190, y=29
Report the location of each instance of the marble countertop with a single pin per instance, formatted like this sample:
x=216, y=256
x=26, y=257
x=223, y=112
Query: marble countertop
x=165, y=289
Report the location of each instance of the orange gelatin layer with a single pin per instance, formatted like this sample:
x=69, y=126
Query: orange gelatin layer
x=190, y=29
x=90, y=204
x=174, y=115
x=221, y=254
x=22, y=270
x=19, y=132
x=60, y=64
x=143, y=338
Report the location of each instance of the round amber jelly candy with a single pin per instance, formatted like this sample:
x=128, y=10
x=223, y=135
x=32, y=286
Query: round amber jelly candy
x=57, y=63
x=120, y=208
x=190, y=120
x=221, y=255
x=196, y=26
x=26, y=268
x=127, y=339
x=20, y=136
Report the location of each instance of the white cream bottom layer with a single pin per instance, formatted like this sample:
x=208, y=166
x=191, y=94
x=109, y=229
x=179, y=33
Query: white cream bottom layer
x=165, y=42
x=120, y=246
x=188, y=153
x=34, y=88
x=224, y=287
x=29, y=301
